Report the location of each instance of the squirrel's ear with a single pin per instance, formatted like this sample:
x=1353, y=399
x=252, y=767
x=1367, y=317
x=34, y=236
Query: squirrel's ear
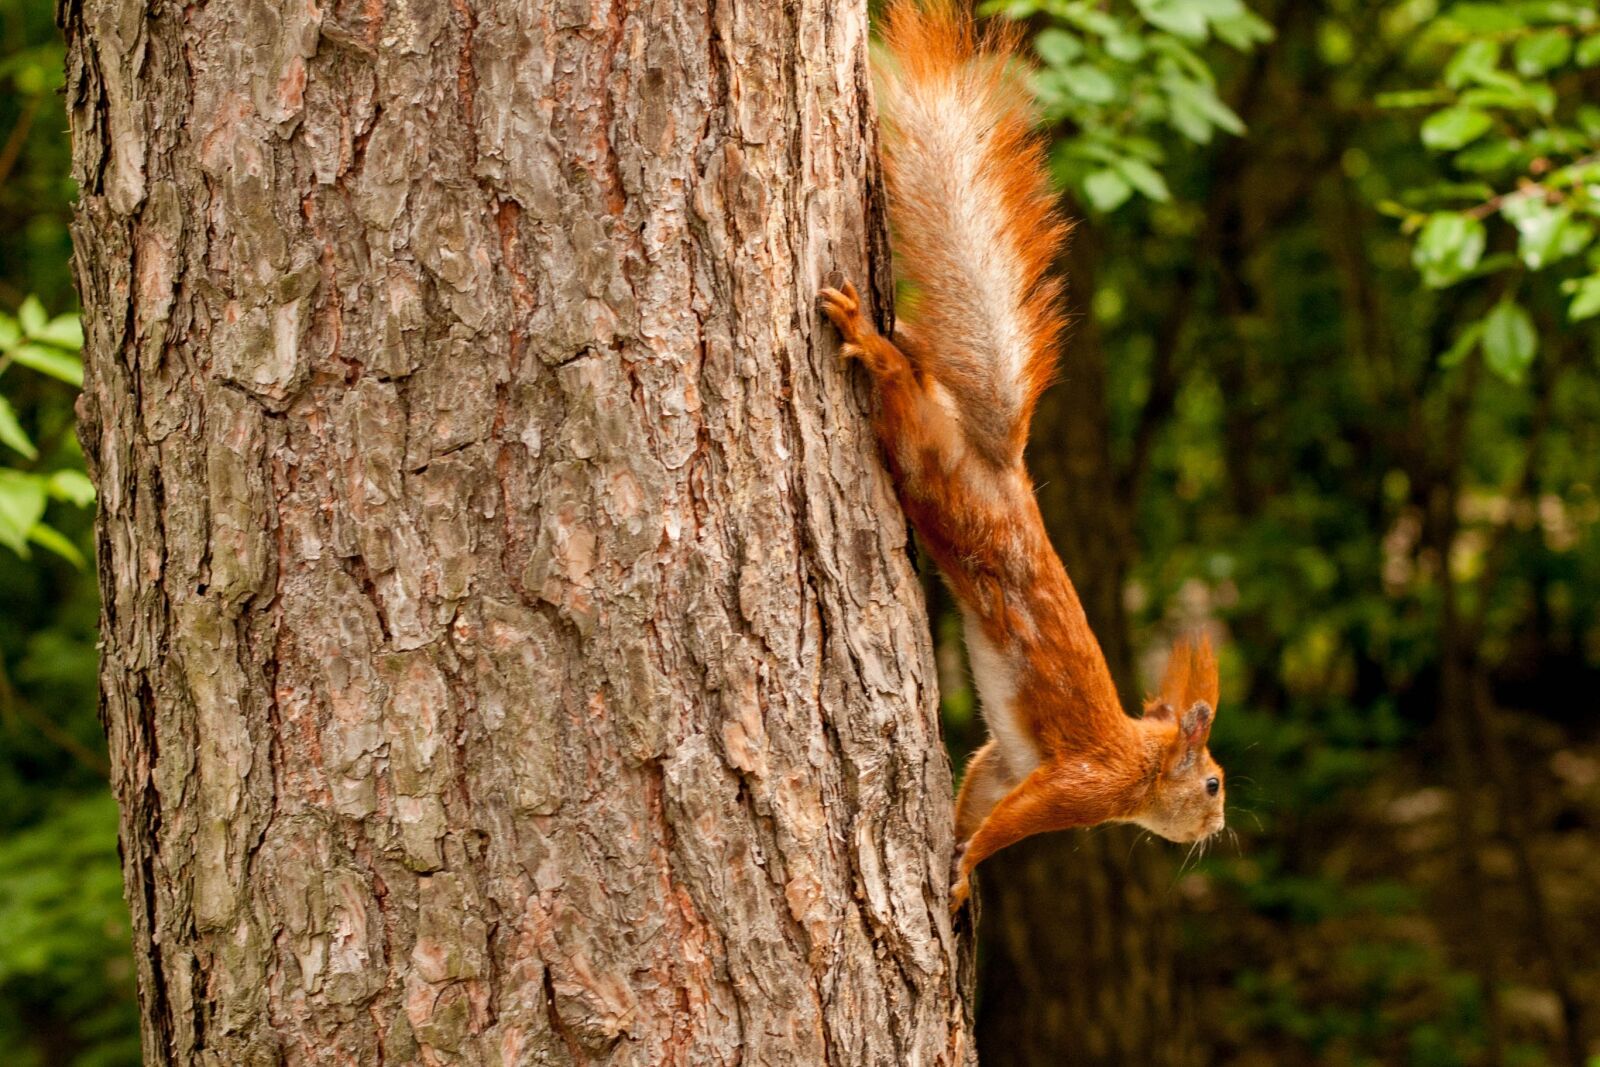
x=1189, y=682
x=1196, y=724
x=1194, y=729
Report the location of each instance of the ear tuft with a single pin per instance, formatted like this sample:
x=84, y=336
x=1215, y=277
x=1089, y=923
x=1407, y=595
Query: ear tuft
x=1203, y=683
x=1191, y=674
x=1175, y=679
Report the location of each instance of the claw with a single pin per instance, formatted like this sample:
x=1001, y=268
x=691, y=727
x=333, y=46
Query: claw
x=843, y=308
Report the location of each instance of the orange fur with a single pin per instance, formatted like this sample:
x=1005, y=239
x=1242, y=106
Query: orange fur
x=975, y=231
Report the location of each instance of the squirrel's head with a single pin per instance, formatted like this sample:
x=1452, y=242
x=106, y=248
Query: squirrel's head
x=1185, y=803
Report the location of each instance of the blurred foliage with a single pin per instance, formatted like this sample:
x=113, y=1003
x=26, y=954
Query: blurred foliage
x=1523, y=151
x=1345, y=294
x=66, y=972
x=1122, y=78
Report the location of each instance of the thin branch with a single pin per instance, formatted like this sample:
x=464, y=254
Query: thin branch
x=12, y=704
x=1528, y=187
x=19, y=134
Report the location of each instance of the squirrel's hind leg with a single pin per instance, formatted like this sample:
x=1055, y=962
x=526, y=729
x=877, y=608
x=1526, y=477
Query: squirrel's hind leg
x=986, y=781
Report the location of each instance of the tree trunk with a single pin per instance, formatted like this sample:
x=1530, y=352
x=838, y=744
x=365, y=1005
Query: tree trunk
x=1077, y=933
x=511, y=654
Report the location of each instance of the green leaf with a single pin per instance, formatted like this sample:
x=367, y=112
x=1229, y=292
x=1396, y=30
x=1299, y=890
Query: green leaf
x=72, y=486
x=1471, y=62
x=1539, y=225
x=51, y=361
x=1509, y=341
x=1496, y=153
x=1586, y=300
x=1408, y=98
x=1587, y=53
x=1451, y=244
x=1011, y=9
x=1487, y=17
x=1196, y=109
x=1540, y=52
x=32, y=317
x=1514, y=96
x=1093, y=21
x=1185, y=63
x=1579, y=173
x=1242, y=31
x=1189, y=120
x=1178, y=17
x=1220, y=114
x=1455, y=127
x=11, y=432
x=1128, y=47
x=64, y=331
x=22, y=500
x=1057, y=47
x=1089, y=84
x=54, y=540
x=1106, y=190
x=1145, y=178
x=1443, y=192
x=1463, y=345
x=1573, y=237
x=10, y=332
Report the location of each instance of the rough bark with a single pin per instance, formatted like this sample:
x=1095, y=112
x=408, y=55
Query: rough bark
x=511, y=654
x=1078, y=929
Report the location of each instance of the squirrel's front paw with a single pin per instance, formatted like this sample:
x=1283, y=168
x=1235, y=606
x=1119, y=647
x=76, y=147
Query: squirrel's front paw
x=959, y=893
x=843, y=308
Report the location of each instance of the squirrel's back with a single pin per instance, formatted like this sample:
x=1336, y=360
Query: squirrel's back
x=973, y=217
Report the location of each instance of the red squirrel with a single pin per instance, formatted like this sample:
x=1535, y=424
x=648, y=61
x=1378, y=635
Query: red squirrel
x=976, y=228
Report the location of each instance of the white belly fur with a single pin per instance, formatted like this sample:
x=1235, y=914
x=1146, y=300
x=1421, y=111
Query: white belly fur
x=996, y=681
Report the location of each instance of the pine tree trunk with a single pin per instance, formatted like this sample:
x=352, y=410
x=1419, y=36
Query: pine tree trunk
x=511, y=654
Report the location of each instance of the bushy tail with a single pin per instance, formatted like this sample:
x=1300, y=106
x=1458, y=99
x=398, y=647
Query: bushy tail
x=972, y=214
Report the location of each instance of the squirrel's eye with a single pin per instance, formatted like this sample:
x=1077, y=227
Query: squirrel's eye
x=1212, y=785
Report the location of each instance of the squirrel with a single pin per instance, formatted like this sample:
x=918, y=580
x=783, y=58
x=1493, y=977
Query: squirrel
x=975, y=229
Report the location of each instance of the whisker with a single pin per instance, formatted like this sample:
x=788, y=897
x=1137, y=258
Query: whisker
x=1240, y=809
